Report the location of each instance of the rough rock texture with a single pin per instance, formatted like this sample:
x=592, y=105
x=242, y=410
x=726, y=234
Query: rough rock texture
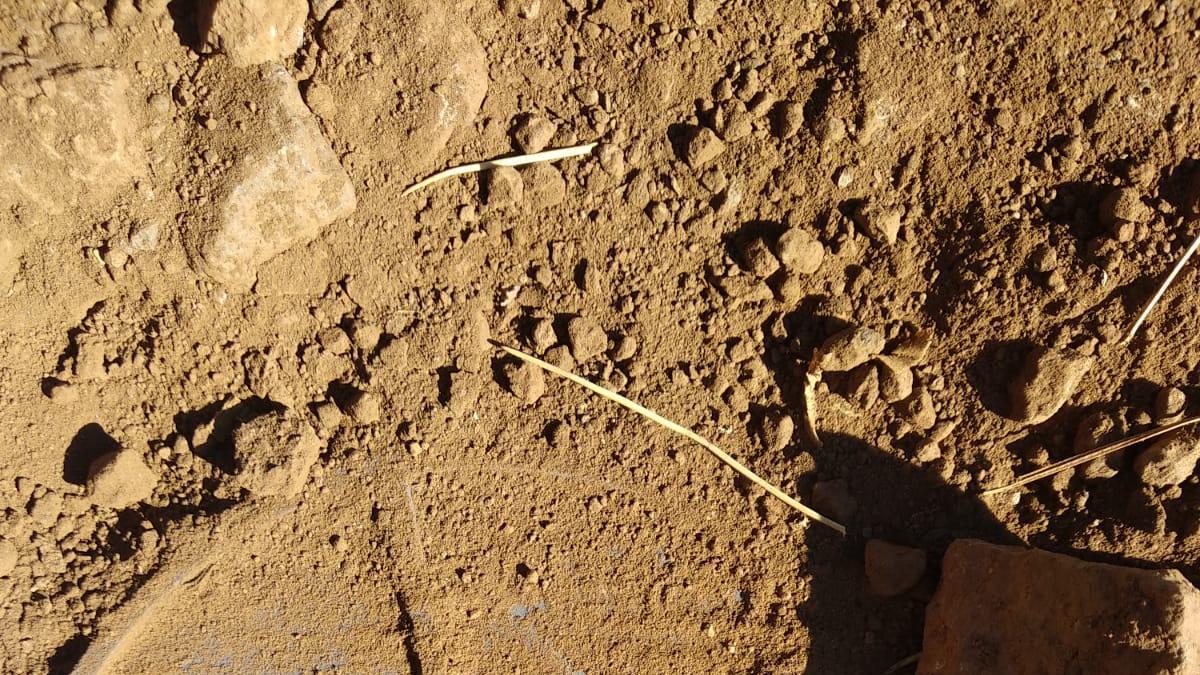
x=120, y=479
x=848, y=348
x=586, y=338
x=526, y=381
x=431, y=78
x=463, y=531
x=1047, y=380
x=274, y=453
x=1170, y=460
x=1004, y=609
x=68, y=134
x=702, y=145
x=252, y=32
x=800, y=252
x=280, y=151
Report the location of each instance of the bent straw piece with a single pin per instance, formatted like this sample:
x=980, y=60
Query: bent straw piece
x=1162, y=289
x=906, y=661
x=519, y=160
x=1090, y=455
x=681, y=430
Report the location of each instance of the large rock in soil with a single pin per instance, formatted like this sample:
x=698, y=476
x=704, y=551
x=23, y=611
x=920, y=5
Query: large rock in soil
x=1046, y=382
x=429, y=77
x=285, y=183
x=67, y=134
x=1004, y=609
x=252, y=31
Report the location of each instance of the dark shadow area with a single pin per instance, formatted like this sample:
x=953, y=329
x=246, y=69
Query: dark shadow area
x=444, y=380
x=342, y=393
x=679, y=135
x=953, y=258
x=1173, y=185
x=1076, y=204
x=818, y=101
x=993, y=370
x=89, y=443
x=850, y=629
x=767, y=230
x=219, y=420
x=68, y=654
x=184, y=18
x=404, y=625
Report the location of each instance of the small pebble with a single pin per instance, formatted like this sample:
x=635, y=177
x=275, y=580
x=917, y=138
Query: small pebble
x=702, y=146
x=365, y=408
x=800, y=252
x=525, y=381
x=893, y=569
x=758, y=259
x=1170, y=460
x=503, y=187
x=532, y=133
x=777, y=430
x=1168, y=405
x=895, y=379
x=1046, y=382
x=120, y=479
x=848, y=348
x=586, y=339
x=832, y=499
x=881, y=221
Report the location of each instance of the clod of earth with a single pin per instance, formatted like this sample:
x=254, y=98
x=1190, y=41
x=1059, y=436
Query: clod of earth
x=120, y=479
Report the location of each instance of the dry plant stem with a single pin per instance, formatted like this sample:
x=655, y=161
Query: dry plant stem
x=679, y=429
x=1085, y=457
x=519, y=160
x=810, y=409
x=906, y=661
x=1162, y=289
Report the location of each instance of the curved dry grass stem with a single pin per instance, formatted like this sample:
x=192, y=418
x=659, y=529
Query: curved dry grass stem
x=903, y=663
x=1090, y=455
x=1149, y=306
x=679, y=429
x=518, y=160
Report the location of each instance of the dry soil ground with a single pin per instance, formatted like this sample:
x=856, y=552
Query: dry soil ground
x=207, y=266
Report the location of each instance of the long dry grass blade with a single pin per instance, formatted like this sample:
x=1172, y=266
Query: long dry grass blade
x=1162, y=289
x=1090, y=455
x=679, y=429
x=518, y=160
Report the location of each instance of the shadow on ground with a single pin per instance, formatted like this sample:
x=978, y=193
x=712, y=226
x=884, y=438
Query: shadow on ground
x=852, y=631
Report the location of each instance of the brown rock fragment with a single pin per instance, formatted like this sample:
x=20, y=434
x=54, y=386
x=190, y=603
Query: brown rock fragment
x=120, y=479
x=800, y=252
x=1170, y=460
x=526, y=381
x=1046, y=382
x=1005, y=609
x=777, y=430
x=832, y=499
x=848, y=348
x=586, y=339
x=252, y=31
x=702, y=145
x=893, y=569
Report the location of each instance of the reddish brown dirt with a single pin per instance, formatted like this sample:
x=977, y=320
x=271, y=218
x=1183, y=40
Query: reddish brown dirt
x=954, y=160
